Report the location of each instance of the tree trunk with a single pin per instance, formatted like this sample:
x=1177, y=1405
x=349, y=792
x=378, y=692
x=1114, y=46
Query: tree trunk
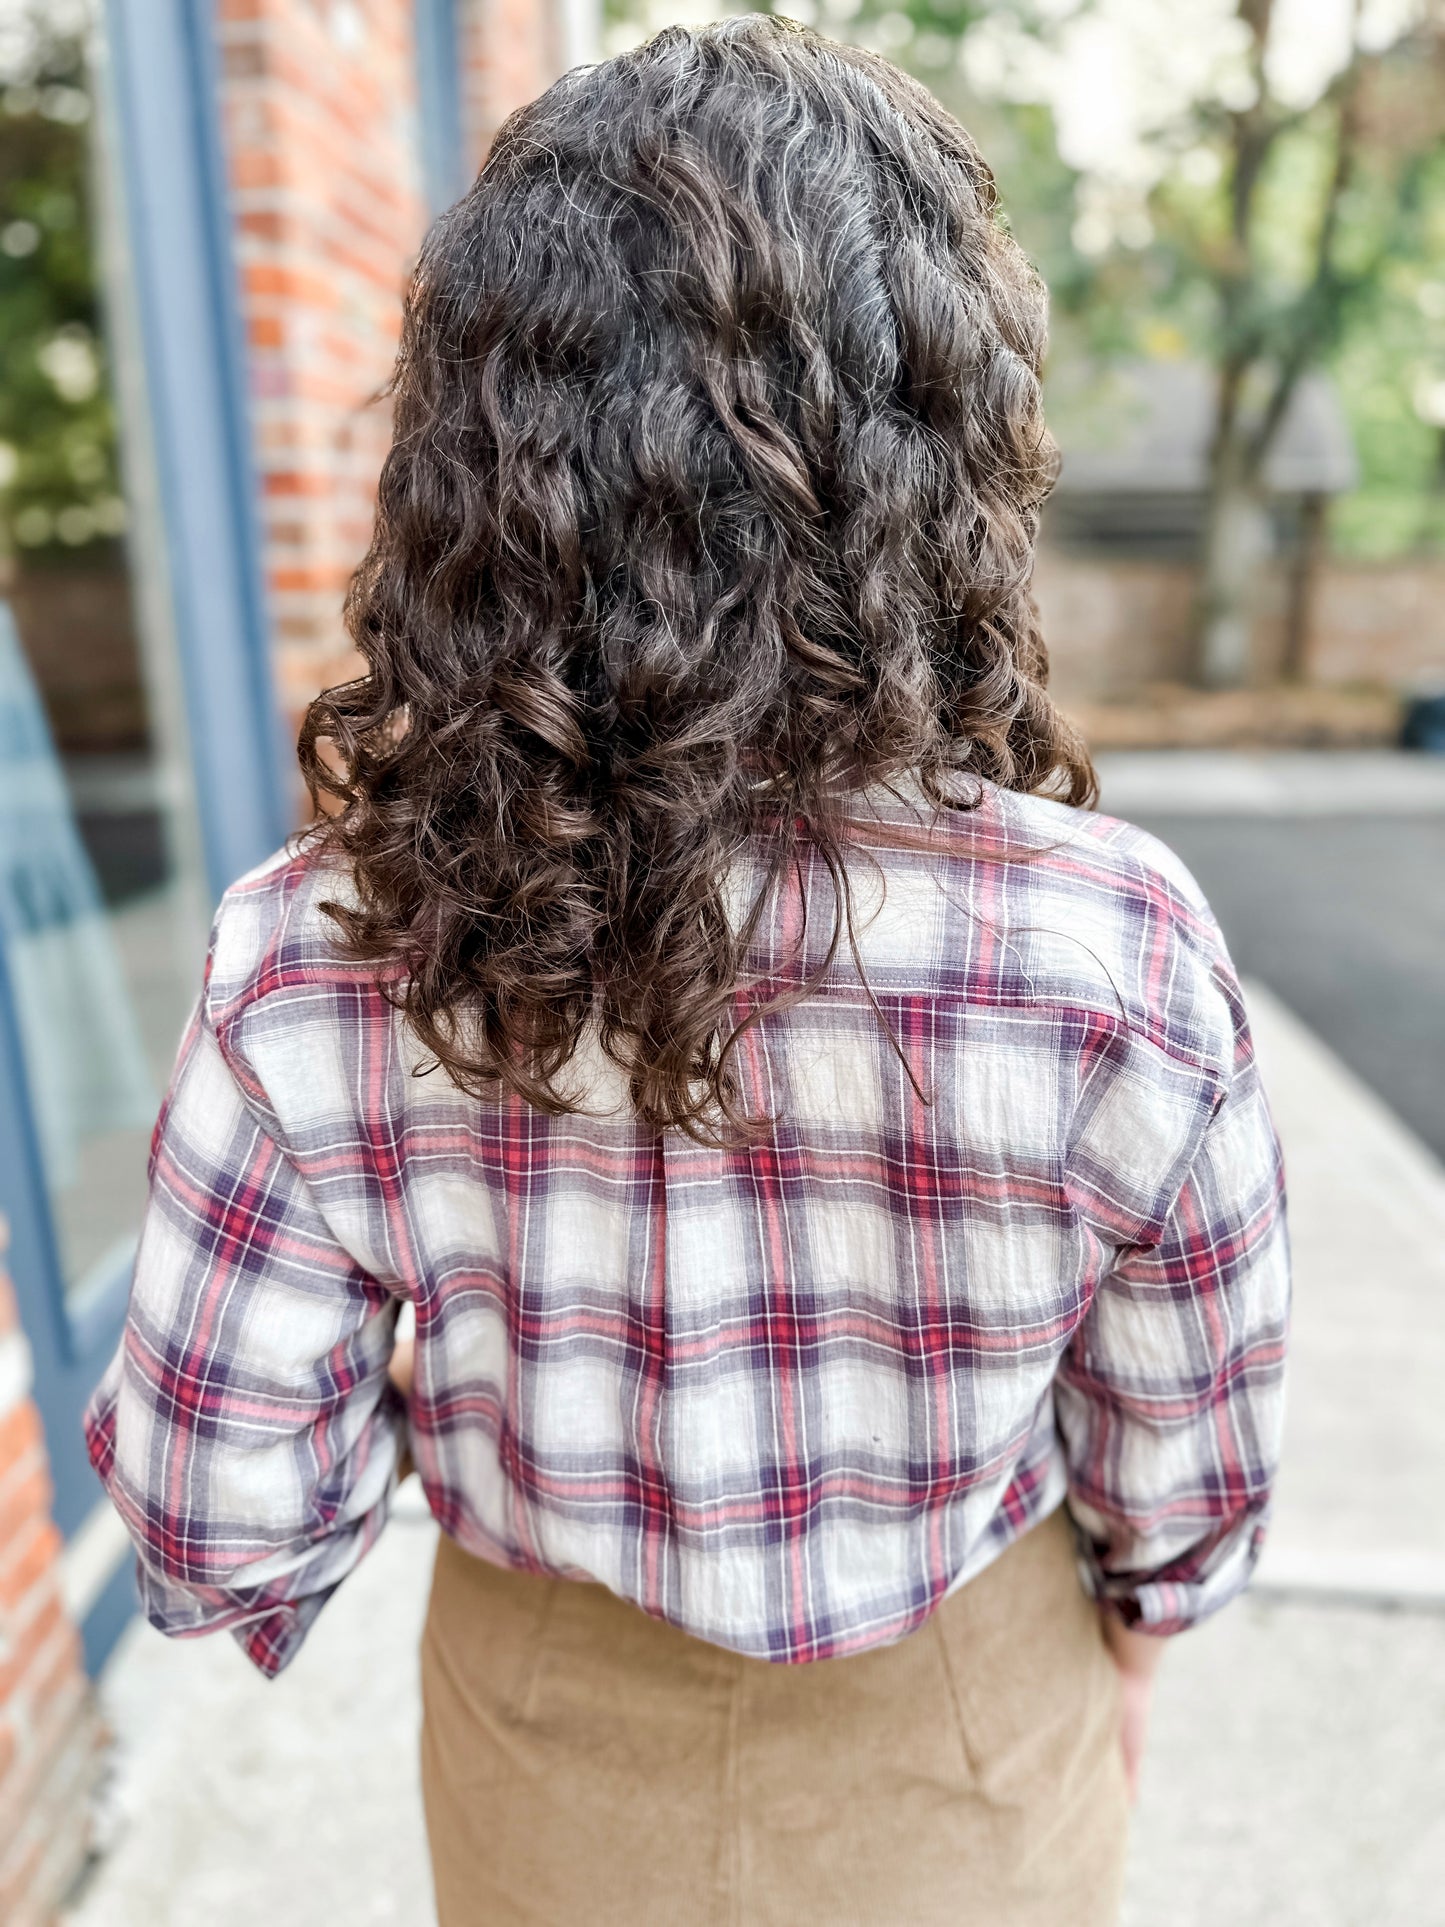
x=1238, y=540
x=1309, y=553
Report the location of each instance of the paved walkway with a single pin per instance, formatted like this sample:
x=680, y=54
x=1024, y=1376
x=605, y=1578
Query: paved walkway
x=1297, y=1777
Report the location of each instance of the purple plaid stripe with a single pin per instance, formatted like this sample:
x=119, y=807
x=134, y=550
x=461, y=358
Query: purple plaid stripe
x=784, y=1396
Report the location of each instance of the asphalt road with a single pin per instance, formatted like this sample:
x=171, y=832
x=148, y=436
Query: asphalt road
x=1344, y=918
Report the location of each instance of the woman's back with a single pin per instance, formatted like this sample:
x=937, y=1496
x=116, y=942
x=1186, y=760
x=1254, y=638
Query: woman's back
x=787, y=1393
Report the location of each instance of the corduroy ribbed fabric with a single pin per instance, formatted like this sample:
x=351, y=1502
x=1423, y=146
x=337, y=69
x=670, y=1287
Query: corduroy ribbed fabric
x=587, y=1766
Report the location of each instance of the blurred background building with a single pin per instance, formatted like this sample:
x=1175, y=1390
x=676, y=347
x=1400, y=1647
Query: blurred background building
x=207, y=212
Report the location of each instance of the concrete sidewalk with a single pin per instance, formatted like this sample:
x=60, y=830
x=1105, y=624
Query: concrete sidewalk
x=1297, y=1777
x=1297, y=1774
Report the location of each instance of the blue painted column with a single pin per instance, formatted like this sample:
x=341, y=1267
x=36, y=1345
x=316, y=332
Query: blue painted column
x=179, y=237
x=439, y=103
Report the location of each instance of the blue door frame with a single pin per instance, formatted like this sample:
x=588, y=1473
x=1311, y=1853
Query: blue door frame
x=178, y=231
x=445, y=174
x=161, y=80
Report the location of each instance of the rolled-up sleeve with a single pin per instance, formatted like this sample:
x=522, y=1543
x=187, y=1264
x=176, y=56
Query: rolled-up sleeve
x=246, y=1430
x=1170, y=1398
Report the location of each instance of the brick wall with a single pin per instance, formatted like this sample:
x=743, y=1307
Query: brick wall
x=1115, y=625
x=319, y=110
x=50, y=1735
x=511, y=50
x=319, y=120
x=1380, y=622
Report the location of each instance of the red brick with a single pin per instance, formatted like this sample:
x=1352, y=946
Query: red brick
x=265, y=331
x=25, y=1560
x=19, y=1430
x=56, y=1690
x=49, y=1736
x=47, y=1838
x=27, y=1641
x=290, y=481
x=24, y=1498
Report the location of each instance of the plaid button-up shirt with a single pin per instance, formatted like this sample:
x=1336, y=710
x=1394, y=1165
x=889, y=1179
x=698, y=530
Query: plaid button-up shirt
x=784, y=1396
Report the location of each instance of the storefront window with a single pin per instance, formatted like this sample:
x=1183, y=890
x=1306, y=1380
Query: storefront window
x=99, y=891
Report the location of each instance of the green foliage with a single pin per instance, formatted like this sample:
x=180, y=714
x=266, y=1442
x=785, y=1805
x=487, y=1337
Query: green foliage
x=1390, y=366
x=59, y=485
x=1374, y=317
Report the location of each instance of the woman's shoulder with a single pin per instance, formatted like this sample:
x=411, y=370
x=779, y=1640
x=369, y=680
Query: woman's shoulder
x=1103, y=909
x=1090, y=848
x=274, y=933
x=990, y=824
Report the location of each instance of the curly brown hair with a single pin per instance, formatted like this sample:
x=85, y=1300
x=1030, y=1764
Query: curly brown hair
x=718, y=459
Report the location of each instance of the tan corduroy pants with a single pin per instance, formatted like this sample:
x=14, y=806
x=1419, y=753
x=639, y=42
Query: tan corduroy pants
x=586, y=1766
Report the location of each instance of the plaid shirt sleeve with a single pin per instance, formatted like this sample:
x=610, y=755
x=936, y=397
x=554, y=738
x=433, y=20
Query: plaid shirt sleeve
x=246, y=1430
x=1170, y=1397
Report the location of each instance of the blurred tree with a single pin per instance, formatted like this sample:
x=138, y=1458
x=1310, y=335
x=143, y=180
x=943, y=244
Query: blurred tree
x=59, y=486
x=1263, y=203
x=1320, y=205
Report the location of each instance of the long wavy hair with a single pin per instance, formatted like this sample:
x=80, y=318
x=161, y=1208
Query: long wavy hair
x=718, y=459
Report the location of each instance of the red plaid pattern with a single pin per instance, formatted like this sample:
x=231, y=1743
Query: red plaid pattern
x=784, y=1396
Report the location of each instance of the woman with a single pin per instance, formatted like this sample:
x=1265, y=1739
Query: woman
x=831, y=1179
